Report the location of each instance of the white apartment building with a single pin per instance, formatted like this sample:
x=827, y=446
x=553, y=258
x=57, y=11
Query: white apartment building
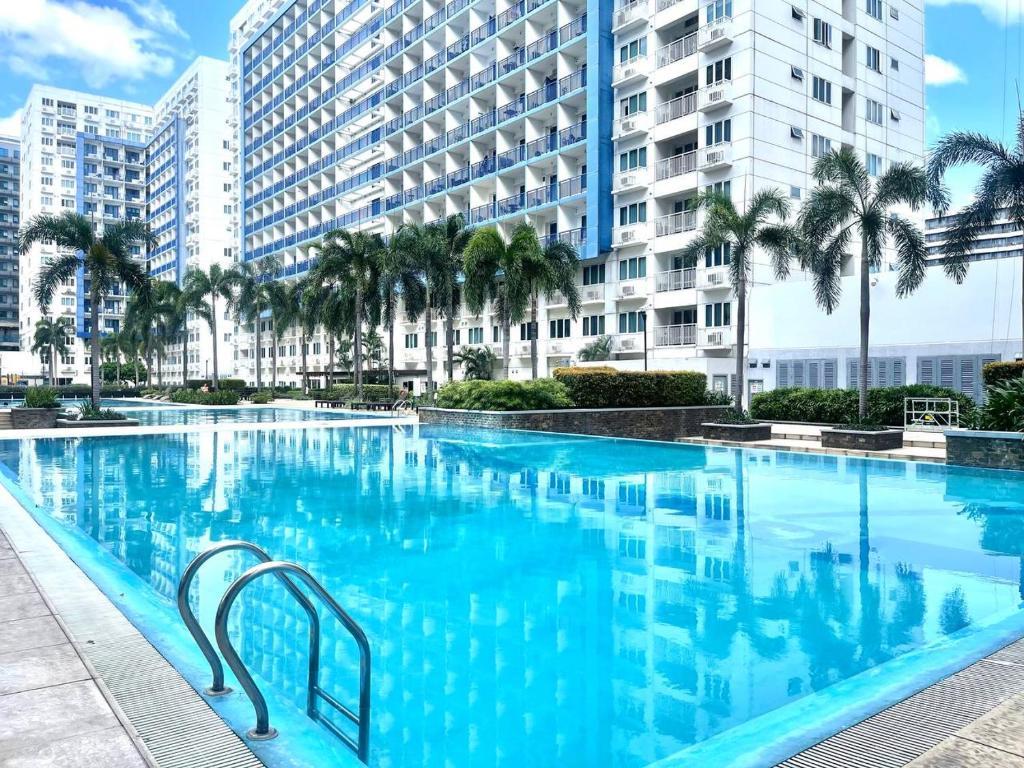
x=86, y=153
x=597, y=124
x=190, y=176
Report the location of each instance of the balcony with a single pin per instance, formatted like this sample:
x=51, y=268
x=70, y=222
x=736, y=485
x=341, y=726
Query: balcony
x=715, y=278
x=631, y=234
x=631, y=70
x=677, y=50
x=631, y=124
x=715, y=338
x=677, y=108
x=675, y=223
x=632, y=289
x=715, y=96
x=715, y=156
x=677, y=165
x=715, y=34
x=631, y=179
x=628, y=342
x=592, y=294
x=629, y=14
x=675, y=335
x=675, y=280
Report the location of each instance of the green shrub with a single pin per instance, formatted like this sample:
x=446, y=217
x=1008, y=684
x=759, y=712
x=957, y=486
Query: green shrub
x=840, y=406
x=482, y=395
x=714, y=397
x=262, y=397
x=41, y=397
x=608, y=388
x=997, y=373
x=198, y=397
x=89, y=412
x=371, y=392
x=293, y=394
x=1004, y=408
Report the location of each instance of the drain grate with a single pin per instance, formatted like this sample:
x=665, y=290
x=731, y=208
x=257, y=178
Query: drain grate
x=906, y=730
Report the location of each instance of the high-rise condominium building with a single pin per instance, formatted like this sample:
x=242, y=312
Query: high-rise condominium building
x=84, y=153
x=10, y=160
x=597, y=124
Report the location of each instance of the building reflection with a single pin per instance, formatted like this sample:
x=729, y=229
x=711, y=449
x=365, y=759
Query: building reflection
x=530, y=601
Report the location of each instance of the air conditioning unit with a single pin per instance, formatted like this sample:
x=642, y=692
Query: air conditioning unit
x=628, y=290
x=628, y=344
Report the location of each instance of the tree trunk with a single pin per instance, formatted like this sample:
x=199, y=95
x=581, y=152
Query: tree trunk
x=259, y=351
x=741, y=338
x=865, y=321
x=533, y=336
x=305, y=372
x=506, y=354
x=117, y=364
x=53, y=366
x=430, y=351
x=159, y=368
x=391, y=360
x=330, y=361
x=184, y=356
x=149, y=367
x=449, y=333
x=357, y=352
x=273, y=355
x=94, y=345
x=213, y=332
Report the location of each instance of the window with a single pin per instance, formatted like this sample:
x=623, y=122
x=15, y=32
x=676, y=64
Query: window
x=633, y=49
x=894, y=12
x=632, y=269
x=718, y=314
x=633, y=104
x=820, y=374
x=874, y=164
x=719, y=256
x=411, y=341
x=821, y=90
x=632, y=322
x=560, y=329
x=593, y=275
x=894, y=115
x=526, y=332
x=723, y=188
x=820, y=146
x=476, y=335
x=823, y=33
x=718, y=133
x=227, y=166
x=432, y=339
x=894, y=65
x=719, y=71
x=632, y=214
x=593, y=325
x=635, y=158
x=874, y=112
x=798, y=14
x=794, y=192
x=874, y=59
x=874, y=8
x=882, y=372
x=797, y=73
x=796, y=133
x=718, y=9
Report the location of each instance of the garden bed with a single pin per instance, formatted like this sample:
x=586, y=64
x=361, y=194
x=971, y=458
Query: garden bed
x=737, y=432
x=95, y=423
x=34, y=418
x=862, y=439
x=992, y=450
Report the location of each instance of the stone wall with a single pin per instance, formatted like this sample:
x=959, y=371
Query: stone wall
x=742, y=433
x=34, y=418
x=640, y=423
x=994, y=450
x=868, y=440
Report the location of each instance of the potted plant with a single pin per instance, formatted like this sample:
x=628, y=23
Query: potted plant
x=90, y=416
x=736, y=427
x=862, y=436
x=39, y=411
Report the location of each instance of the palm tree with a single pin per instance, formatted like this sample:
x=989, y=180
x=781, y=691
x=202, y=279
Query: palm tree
x=153, y=322
x=111, y=346
x=422, y=248
x=399, y=287
x=288, y=307
x=348, y=266
x=477, y=362
x=205, y=288
x=761, y=227
x=454, y=235
x=106, y=260
x=253, y=298
x=373, y=349
x=1001, y=188
x=51, y=336
x=494, y=272
x=846, y=205
x=548, y=270
x=172, y=322
x=597, y=350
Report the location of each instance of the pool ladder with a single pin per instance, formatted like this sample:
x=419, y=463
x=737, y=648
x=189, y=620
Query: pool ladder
x=285, y=573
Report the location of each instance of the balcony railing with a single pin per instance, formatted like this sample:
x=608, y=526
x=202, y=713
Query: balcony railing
x=715, y=33
x=674, y=223
x=675, y=335
x=713, y=278
x=715, y=95
x=631, y=123
x=715, y=156
x=627, y=13
x=677, y=49
x=675, y=280
x=634, y=177
x=676, y=165
x=630, y=69
x=629, y=342
x=631, y=234
x=678, y=107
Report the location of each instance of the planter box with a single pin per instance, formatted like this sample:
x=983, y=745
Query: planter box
x=34, y=418
x=862, y=440
x=992, y=450
x=738, y=433
x=95, y=423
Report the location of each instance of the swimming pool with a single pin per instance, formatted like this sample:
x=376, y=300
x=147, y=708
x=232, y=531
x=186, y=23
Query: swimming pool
x=541, y=600
x=161, y=414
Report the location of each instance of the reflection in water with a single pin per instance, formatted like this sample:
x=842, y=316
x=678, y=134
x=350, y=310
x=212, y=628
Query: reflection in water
x=541, y=600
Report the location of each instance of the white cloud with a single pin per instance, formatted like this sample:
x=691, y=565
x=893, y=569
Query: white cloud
x=11, y=125
x=999, y=11
x=103, y=43
x=939, y=71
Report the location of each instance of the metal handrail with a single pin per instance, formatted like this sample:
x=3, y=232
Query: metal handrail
x=192, y=623
x=263, y=729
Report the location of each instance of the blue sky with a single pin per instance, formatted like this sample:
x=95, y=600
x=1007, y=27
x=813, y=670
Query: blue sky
x=134, y=49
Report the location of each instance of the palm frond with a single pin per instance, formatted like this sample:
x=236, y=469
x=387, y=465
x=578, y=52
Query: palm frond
x=911, y=254
x=53, y=275
x=902, y=184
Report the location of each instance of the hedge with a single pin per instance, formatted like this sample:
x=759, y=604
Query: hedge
x=370, y=392
x=482, y=395
x=198, y=397
x=609, y=388
x=840, y=406
x=998, y=373
x=1004, y=409
x=221, y=383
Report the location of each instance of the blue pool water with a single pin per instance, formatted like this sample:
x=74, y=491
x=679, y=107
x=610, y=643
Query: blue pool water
x=539, y=600
x=164, y=415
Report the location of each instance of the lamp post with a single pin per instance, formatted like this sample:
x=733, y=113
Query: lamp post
x=643, y=316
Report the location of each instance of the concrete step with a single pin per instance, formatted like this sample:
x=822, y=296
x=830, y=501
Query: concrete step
x=5, y=420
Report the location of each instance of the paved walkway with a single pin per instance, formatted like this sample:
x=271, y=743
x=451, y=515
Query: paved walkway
x=53, y=711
